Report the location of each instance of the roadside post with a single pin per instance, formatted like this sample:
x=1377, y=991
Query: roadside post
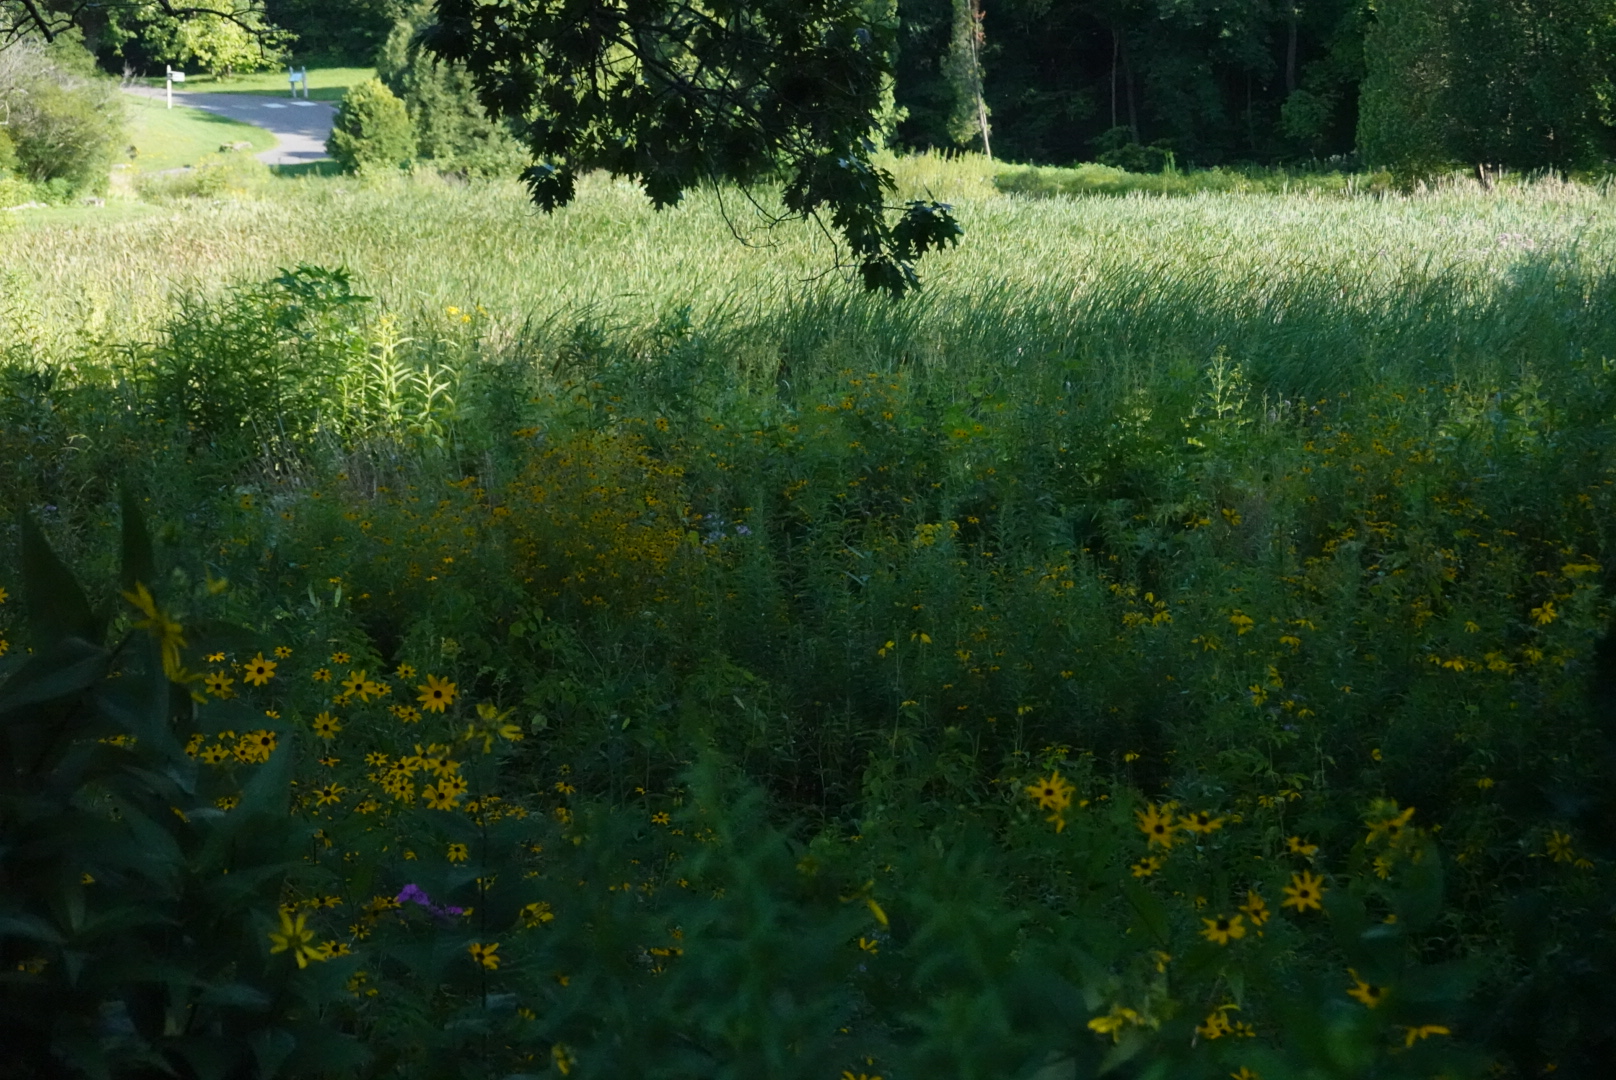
x=173, y=77
x=296, y=76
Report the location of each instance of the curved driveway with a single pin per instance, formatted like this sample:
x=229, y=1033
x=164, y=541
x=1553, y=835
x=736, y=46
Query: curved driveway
x=300, y=127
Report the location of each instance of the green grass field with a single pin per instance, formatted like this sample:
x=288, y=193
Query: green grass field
x=165, y=138
x=325, y=84
x=1167, y=646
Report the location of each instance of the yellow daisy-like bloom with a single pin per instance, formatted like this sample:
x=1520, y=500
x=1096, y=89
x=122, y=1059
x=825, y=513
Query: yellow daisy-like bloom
x=1147, y=866
x=214, y=754
x=660, y=818
x=218, y=684
x=1306, y=891
x=537, y=914
x=215, y=657
x=325, y=726
x=354, y=681
x=407, y=714
x=1224, y=928
x=1255, y=908
x=1368, y=994
x=1052, y=794
x=1156, y=822
x=1559, y=847
x=1200, y=822
x=340, y=658
x=331, y=793
x=457, y=852
x=437, y=694
x=256, y=746
x=1297, y=846
x=295, y=937
x=558, y=1053
x=169, y=634
x=453, y=785
x=404, y=671
x=1389, y=829
x=282, y=652
x=1245, y=1074
x=486, y=955
x=258, y=671
x=438, y=799
x=321, y=675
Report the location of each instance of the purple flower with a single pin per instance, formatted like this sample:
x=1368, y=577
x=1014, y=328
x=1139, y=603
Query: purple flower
x=412, y=894
x=742, y=530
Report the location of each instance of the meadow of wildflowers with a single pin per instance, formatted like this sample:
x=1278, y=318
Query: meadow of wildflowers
x=1183, y=663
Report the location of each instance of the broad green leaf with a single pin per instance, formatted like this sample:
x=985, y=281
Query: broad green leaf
x=55, y=605
x=68, y=666
x=137, y=567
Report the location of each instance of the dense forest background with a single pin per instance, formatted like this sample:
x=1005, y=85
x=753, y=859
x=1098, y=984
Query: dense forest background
x=1418, y=84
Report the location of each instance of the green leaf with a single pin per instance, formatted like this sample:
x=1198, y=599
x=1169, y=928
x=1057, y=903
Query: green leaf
x=138, y=565
x=1152, y=915
x=68, y=666
x=55, y=605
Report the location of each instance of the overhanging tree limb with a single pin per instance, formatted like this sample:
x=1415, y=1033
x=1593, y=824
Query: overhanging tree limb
x=676, y=95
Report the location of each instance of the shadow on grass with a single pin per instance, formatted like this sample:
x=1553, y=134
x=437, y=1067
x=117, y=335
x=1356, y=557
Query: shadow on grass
x=324, y=167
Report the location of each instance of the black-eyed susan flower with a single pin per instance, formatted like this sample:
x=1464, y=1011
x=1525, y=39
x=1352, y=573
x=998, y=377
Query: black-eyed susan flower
x=1390, y=824
x=1559, y=847
x=340, y=658
x=1224, y=928
x=282, y=652
x=1147, y=866
x=215, y=658
x=295, y=937
x=405, y=671
x=258, y=671
x=1114, y=1021
x=1200, y=822
x=1156, y=822
x=486, y=955
x=1295, y=845
x=214, y=754
x=436, y=694
x=1053, y=794
x=660, y=818
x=457, y=853
x=329, y=794
x=325, y=725
x=438, y=799
x=559, y=1054
x=1305, y=892
x=1255, y=908
x=1367, y=993
x=218, y=684
x=321, y=675
x=536, y=914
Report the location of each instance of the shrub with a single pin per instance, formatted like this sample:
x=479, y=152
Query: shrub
x=451, y=127
x=372, y=129
x=62, y=126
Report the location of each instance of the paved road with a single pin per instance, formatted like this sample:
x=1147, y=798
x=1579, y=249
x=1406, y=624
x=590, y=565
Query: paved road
x=300, y=127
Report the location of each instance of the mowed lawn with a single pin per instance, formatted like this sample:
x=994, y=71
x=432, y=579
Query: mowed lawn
x=164, y=138
x=325, y=84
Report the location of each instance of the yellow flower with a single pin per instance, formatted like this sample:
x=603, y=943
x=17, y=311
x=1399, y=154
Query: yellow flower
x=437, y=694
x=1217, y=1023
x=215, y=657
x=168, y=633
x=339, y=658
x=1113, y=1022
x=1297, y=846
x=258, y=671
x=660, y=818
x=558, y=1053
x=1147, y=866
x=1222, y=929
x=325, y=725
x=296, y=937
x=537, y=914
x=218, y=684
x=457, y=852
x=486, y=955
x=1306, y=891
x=1052, y=794
x=404, y=671
x=438, y=799
x=1200, y=822
x=321, y=675
x=1245, y=1074
x=1255, y=908
x=4, y=596
x=1156, y=822
x=282, y=652
x=1411, y=1035
x=1559, y=847
x=1546, y=614
x=1368, y=994
x=331, y=793
x=1390, y=829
